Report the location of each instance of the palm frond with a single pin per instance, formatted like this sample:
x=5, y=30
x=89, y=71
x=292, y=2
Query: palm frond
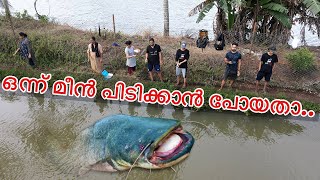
x=199, y=7
x=238, y=2
x=263, y=2
x=275, y=7
x=204, y=11
x=312, y=5
x=283, y=18
x=224, y=5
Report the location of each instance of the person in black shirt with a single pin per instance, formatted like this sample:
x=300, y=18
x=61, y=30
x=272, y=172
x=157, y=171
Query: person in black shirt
x=265, y=67
x=233, y=61
x=154, y=58
x=182, y=57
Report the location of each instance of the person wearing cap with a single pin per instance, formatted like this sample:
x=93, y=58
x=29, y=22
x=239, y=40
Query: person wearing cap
x=182, y=57
x=265, y=67
x=131, y=57
x=25, y=49
x=233, y=65
x=154, y=58
x=95, y=52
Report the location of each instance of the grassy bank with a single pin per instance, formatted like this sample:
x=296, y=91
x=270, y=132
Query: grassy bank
x=101, y=84
x=61, y=51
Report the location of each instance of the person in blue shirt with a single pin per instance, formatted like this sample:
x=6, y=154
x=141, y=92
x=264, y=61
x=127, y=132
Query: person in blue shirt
x=25, y=49
x=233, y=65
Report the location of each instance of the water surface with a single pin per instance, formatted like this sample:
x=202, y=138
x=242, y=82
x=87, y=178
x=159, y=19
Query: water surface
x=36, y=133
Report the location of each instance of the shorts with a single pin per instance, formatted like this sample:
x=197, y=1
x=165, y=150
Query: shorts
x=266, y=75
x=228, y=75
x=131, y=69
x=153, y=66
x=181, y=70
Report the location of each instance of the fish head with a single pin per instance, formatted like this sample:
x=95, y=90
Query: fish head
x=128, y=141
x=169, y=149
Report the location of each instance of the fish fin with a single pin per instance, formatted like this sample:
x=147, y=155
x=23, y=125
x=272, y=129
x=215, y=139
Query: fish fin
x=105, y=167
x=83, y=171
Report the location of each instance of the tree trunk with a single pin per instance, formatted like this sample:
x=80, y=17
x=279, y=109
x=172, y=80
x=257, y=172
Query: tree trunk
x=166, y=17
x=221, y=21
x=230, y=16
x=254, y=25
x=8, y=15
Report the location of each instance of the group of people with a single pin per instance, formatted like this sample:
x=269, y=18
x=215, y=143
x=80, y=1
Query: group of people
x=154, y=60
x=233, y=67
x=232, y=60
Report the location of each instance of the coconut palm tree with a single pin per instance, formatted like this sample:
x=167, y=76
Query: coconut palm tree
x=166, y=17
x=6, y=6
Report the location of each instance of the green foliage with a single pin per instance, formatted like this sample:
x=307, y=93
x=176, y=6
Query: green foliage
x=313, y=5
x=49, y=51
x=204, y=11
x=43, y=18
x=302, y=60
x=281, y=95
x=311, y=106
x=24, y=15
x=275, y=7
x=282, y=17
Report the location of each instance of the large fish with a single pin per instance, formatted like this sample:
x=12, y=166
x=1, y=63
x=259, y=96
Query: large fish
x=119, y=142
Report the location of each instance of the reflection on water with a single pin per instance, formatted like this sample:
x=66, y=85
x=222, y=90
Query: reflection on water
x=37, y=141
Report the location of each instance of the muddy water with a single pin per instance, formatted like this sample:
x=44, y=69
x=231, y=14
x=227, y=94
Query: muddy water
x=36, y=133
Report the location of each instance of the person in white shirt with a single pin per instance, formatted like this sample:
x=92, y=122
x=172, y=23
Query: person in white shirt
x=131, y=57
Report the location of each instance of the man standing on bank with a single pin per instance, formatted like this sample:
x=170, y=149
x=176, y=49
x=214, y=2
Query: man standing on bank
x=154, y=58
x=233, y=65
x=265, y=67
x=182, y=57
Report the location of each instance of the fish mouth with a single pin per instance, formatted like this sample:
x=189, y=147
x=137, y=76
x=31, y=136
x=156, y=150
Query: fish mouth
x=171, y=148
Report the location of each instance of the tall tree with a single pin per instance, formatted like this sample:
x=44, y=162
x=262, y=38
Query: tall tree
x=166, y=17
x=6, y=6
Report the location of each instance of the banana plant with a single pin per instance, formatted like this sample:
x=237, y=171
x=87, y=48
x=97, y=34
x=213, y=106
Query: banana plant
x=313, y=6
x=232, y=7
